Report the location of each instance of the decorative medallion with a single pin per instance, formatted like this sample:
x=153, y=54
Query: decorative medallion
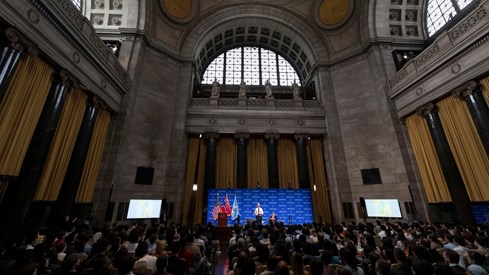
x=331, y=14
x=179, y=11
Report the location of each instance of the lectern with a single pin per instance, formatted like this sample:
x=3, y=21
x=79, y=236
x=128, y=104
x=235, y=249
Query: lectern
x=222, y=220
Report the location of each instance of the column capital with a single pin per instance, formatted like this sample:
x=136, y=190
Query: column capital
x=20, y=42
x=426, y=109
x=272, y=136
x=68, y=79
x=466, y=89
x=208, y=135
x=244, y=135
x=301, y=136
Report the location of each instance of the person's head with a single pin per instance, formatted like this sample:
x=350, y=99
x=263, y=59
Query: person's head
x=317, y=267
x=442, y=269
x=141, y=249
x=258, y=205
x=451, y=256
x=70, y=262
x=399, y=255
x=161, y=264
x=382, y=267
x=272, y=263
x=476, y=258
x=422, y=267
x=160, y=248
x=282, y=268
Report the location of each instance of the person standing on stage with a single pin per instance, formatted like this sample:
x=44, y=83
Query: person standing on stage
x=258, y=214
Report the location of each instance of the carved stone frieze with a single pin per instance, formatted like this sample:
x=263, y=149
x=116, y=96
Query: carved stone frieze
x=467, y=24
x=398, y=77
x=426, y=55
x=71, y=12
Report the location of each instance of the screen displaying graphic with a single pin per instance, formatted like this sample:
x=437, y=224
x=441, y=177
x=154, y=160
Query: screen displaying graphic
x=292, y=206
x=383, y=208
x=481, y=212
x=144, y=209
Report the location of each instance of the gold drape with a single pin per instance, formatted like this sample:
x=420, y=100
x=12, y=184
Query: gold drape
x=485, y=88
x=287, y=163
x=428, y=163
x=192, y=155
x=466, y=147
x=199, y=197
x=63, y=143
x=94, y=157
x=257, y=157
x=20, y=111
x=317, y=172
x=226, y=161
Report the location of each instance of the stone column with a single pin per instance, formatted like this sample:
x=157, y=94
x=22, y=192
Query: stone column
x=10, y=56
x=19, y=196
x=210, y=165
x=69, y=189
x=472, y=94
x=242, y=165
x=454, y=181
x=272, y=141
x=301, y=141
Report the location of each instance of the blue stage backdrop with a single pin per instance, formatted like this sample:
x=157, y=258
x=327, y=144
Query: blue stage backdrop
x=292, y=206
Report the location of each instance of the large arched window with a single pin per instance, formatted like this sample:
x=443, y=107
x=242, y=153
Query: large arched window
x=254, y=65
x=439, y=12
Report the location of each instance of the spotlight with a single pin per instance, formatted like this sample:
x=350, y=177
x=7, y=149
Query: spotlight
x=194, y=187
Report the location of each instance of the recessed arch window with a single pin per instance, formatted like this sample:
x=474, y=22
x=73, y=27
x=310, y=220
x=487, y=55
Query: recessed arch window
x=254, y=65
x=439, y=12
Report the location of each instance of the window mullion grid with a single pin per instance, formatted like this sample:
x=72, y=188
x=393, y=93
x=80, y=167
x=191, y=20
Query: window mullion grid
x=242, y=63
x=277, y=69
x=455, y=6
x=259, y=67
x=224, y=69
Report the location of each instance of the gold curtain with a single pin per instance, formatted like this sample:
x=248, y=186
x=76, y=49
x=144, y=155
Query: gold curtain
x=287, y=163
x=466, y=147
x=317, y=173
x=192, y=155
x=199, y=197
x=485, y=88
x=94, y=157
x=20, y=111
x=428, y=163
x=226, y=161
x=257, y=157
x=63, y=143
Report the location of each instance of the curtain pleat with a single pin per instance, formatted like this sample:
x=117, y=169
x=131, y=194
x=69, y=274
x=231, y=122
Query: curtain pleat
x=192, y=155
x=62, y=146
x=20, y=111
x=287, y=163
x=199, y=198
x=94, y=157
x=428, y=163
x=317, y=172
x=226, y=161
x=485, y=89
x=257, y=157
x=466, y=147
